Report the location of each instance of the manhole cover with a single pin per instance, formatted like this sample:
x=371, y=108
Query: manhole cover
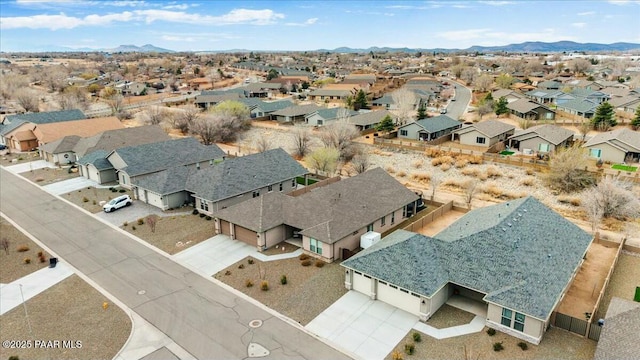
x=255, y=323
x=142, y=292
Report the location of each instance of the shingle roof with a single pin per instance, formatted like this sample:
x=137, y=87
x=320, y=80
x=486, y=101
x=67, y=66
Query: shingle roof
x=579, y=105
x=328, y=213
x=369, y=118
x=489, y=128
x=619, y=336
x=332, y=113
x=551, y=133
x=237, y=176
x=7, y=127
x=201, y=99
x=98, y=158
x=437, y=123
x=64, y=144
x=115, y=139
x=297, y=110
x=48, y=117
x=618, y=138
x=524, y=106
x=500, y=250
x=84, y=127
x=164, y=182
x=157, y=156
x=504, y=92
x=329, y=92
x=269, y=107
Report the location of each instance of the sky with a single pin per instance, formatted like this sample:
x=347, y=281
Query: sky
x=40, y=25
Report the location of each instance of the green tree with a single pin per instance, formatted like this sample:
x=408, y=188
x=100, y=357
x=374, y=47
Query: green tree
x=501, y=106
x=324, y=159
x=488, y=99
x=504, y=81
x=422, y=113
x=604, y=117
x=360, y=102
x=635, y=123
x=305, y=85
x=272, y=74
x=386, y=124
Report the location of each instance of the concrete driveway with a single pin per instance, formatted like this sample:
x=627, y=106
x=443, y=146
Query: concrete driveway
x=367, y=328
x=67, y=186
x=28, y=166
x=213, y=255
x=131, y=213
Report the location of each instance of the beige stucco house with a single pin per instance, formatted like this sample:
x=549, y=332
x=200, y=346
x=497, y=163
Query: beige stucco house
x=616, y=146
x=541, y=139
x=485, y=133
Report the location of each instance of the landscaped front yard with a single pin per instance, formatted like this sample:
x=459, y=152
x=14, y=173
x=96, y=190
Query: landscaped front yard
x=46, y=176
x=89, y=198
x=308, y=291
x=13, y=261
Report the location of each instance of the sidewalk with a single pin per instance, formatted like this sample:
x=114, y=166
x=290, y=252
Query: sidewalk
x=28, y=166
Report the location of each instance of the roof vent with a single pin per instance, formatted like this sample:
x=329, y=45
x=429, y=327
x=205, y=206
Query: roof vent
x=525, y=210
x=509, y=224
x=549, y=256
x=504, y=229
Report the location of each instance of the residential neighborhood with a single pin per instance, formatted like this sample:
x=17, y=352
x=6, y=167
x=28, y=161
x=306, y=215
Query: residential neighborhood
x=357, y=203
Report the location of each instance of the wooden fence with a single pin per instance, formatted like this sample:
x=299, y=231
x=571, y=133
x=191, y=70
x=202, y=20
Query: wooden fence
x=320, y=183
x=422, y=218
x=575, y=325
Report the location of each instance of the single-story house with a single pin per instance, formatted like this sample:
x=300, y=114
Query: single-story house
x=369, y=119
x=550, y=85
x=330, y=94
x=597, y=97
x=325, y=116
x=497, y=255
x=264, y=108
x=133, y=161
x=619, y=334
x=627, y=104
x=261, y=90
x=206, y=100
x=508, y=94
x=527, y=109
x=26, y=140
x=293, y=114
x=330, y=219
x=580, y=107
x=541, y=138
x=429, y=129
x=387, y=101
x=485, y=133
x=543, y=96
x=617, y=146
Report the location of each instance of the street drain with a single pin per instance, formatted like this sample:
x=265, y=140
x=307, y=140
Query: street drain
x=255, y=323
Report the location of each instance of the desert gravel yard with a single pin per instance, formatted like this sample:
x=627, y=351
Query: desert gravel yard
x=173, y=233
x=449, y=316
x=557, y=344
x=308, y=292
x=623, y=282
x=89, y=198
x=71, y=310
x=46, y=176
x=12, y=261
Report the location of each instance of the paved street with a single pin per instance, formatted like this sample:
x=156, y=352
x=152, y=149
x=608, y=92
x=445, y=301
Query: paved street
x=200, y=316
x=456, y=109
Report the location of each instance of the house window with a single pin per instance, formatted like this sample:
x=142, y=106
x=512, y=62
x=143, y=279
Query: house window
x=393, y=217
x=595, y=153
x=506, y=317
x=370, y=227
x=518, y=323
x=204, y=205
x=315, y=246
x=270, y=188
x=319, y=122
x=543, y=147
x=383, y=220
x=280, y=186
x=404, y=133
x=198, y=166
x=256, y=193
x=293, y=183
x=480, y=140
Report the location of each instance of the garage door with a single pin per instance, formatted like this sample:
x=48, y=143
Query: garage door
x=246, y=235
x=398, y=298
x=361, y=283
x=225, y=228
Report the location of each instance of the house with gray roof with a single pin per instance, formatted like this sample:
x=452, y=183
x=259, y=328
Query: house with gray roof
x=330, y=94
x=617, y=146
x=550, y=85
x=324, y=116
x=499, y=256
x=330, y=219
x=619, y=335
x=265, y=108
x=367, y=119
x=429, y=129
x=543, y=96
x=531, y=110
x=294, y=113
x=508, y=94
x=206, y=101
x=133, y=161
x=12, y=122
x=541, y=138
x=485, y=133
x=580, y=107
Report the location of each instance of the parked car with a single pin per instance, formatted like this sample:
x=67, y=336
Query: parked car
x=2, y=147
x=443, y=111
x=117, y=203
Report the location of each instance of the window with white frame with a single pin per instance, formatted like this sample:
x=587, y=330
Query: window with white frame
x=393, y=217
x=204, y=205
x=518, y=322
x=404, y=133
x=256, y=193
x=383, y=220
x=370, y=227
x=506, y=317
x=293, y=183
x=315, y=246
x=281, y=186
x=480, y=140
x=595, y=153
x=270, y=188
x=544, y=147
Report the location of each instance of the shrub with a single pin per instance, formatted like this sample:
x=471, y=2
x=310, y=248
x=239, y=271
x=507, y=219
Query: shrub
x=491, y=331
x=250, y=261
x=575, y=201
x=141, y=221
x=264, y=285
x=390, y=169
x=94, y=202
x=85, y=199
x=445, y=167
x=497, y=346
x=27, y=260
x=421, y=177
x=461, y=163
x=195, y=212
x=208, y=217
x=125, y=224
x=493, y=172
x=523, y=345
x=417, y=164
x=442, y=160
x=39, y=179
x=241, y=266
x=133, y=227
x=42, y=259
x=113, y=190
x=319, y=263
x=305, y=262
x=432, y=152
x=303, y=257
x=529, y=172
x=470, y=172
x=23, y=248
x=203, y=215
x=14, y=357
x=396, y=355
x=122, y=190
x=228, y=272
x=527, y=181
x=416, y=336
x=40, y=253
x=401, y=173
x=248, y=283
x=409, y=348
x=283, y=279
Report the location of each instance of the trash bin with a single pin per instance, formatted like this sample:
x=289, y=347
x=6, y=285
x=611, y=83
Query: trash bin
x=53, y=262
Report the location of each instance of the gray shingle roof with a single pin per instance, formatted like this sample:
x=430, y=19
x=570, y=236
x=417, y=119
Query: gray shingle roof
x=269, y=107
x=243, y=174
x=551, y=133
x=438, y=123
x=490, y=128
x=98, y=158
x=61, y=145
x=157, y=156
x=114, y=139
x=579, y=105
x=524, y=106
x=520, y=253
x=332, y=113
x=620, y=138
x=297, y=110
x=48, y=117
x=619, y=337
x=6, y=127
x=369, y=118
x=164, y=182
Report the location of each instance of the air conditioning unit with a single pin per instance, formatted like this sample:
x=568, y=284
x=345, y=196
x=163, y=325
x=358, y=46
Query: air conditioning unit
x=369, y=238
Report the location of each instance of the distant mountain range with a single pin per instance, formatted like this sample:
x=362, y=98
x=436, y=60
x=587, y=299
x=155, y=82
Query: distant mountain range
x=525, y=47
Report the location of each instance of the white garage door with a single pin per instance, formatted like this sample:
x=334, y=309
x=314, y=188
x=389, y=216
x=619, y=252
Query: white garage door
x=398, y=298
x=361, y=283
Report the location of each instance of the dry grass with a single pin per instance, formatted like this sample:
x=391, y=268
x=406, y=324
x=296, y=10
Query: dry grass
x=455, y=184
x=401, y=173
x=442, y=160
x=69, y=310
x=460, y=163
x=390, y=169
x=529, y=181
x=573, y=200
x=46, y=176
x=417, y=164
x=308, y=292
x=93, y=196
x=432, y=152
x=12, y=262
x=7, y=159
x=493, y=172
x=529, y=171
x=422, y=177
x=497, y=192
x=445, y=167
x=174, y=233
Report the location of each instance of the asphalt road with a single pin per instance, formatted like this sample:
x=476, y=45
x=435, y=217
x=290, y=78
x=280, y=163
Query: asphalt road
x=202, y=317
x=456, y=109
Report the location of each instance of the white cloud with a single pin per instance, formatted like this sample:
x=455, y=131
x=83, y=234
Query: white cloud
x=623, y=2
x=179, y=38
x=62, y=21
x=587, y=13
x=310, y=21
x=579, y=24
x=176, y=7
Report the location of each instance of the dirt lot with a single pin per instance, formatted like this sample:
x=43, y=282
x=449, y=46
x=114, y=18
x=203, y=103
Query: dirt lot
x=623, y=282
x=47, y=175
x=448, y=316
x=583, y=293
x=556, y=344
x=70, y=310
x=308, y=292
x=174, y=233
x=441, y=223
x=6, y=159
x=93, y=196
x=12, y=262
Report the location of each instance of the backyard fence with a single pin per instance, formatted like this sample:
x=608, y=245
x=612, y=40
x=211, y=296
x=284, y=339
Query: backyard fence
x=422, y=218
x=575, y=325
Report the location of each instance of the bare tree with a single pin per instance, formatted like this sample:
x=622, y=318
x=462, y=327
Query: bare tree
x=580, y=66
x=483, y=82
x=470, y=190
x=339, y=135
x=262, y=144
x=361, y=161
x=617, y=199
x=28, y=99
x=113, y=98
x=214, y=128
x=301, y=140
x=154, y=115
x=152, y=221
x=567, y=170
x=10, y=83
x=584, y=128
x=468, y=75
x=405, y=101
x=591, y=203
x=73, y=97
x=4, y=243
x=185, y=119
x=484, y=109
x=435, y=181
x=324, y=159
